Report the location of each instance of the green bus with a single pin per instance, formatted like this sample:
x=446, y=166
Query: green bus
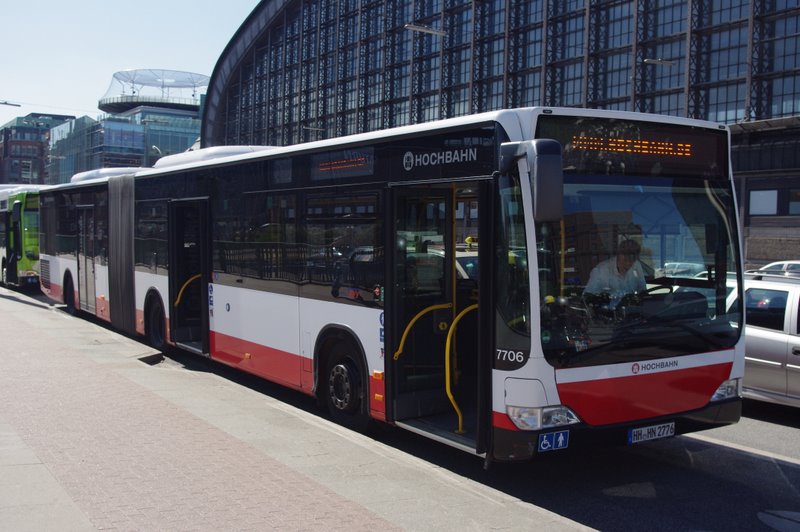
x=19, y=235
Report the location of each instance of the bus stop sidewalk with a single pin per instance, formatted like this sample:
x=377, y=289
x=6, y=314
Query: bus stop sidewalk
x=92, y=438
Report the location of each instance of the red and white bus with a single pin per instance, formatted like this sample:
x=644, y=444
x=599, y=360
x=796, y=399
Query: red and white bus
x=432, y=276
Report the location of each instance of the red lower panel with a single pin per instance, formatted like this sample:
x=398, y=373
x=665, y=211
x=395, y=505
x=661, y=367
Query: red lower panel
x=102, y=308
x=601, y=402
x=271, y=364
x=54, y=292
x=377, y=398
x=140, y=322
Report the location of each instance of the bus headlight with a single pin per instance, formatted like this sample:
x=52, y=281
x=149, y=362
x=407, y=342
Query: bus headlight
x=544, y=417
x=727, y=390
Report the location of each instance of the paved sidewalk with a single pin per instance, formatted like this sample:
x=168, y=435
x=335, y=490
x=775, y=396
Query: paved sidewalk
x=91, y=438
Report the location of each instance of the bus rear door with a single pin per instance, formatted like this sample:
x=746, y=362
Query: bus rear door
x=86, y=256
x=189, y=274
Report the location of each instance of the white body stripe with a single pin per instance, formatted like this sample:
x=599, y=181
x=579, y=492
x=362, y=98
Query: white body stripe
x=144, y=282
x=289, y=323
x=59, y=266
x=254, y=316
x=365, y=322
x=642, y=367
x=101, y=282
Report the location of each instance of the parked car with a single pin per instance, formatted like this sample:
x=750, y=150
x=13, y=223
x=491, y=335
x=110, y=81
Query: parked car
x=789, y=268
x=772, y=339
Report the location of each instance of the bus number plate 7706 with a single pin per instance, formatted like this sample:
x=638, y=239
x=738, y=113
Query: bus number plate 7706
x=653, y=432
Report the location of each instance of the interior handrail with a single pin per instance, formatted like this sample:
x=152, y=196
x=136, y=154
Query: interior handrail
x=450, y=396
x=180, y=292
x=411, y=323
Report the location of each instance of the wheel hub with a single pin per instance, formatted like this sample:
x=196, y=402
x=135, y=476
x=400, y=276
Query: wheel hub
x=340, y=387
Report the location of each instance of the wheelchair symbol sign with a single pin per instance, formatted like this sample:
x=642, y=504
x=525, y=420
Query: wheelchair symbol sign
x=553, y=441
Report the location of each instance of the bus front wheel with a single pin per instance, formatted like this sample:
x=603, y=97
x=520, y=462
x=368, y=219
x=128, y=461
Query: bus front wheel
x=345, y=388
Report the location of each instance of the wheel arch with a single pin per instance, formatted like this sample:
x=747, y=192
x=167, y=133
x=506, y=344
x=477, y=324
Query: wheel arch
x=329, y=336
x=153, y=297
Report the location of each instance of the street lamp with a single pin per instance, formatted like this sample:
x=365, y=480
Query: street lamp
x=422, y=28
x=317, y=130
x=4, y=102
x=659, y=61
x=147, y=125
x=637, y=74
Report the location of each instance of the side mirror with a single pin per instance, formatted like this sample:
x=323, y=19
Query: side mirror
x=547, y=178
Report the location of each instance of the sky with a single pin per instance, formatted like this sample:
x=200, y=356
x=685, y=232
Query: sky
x=59, y=56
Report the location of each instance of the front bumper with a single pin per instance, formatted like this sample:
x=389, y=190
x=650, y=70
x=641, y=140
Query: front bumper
x=515, y=445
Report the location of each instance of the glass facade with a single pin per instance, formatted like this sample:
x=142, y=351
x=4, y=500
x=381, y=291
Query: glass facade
x=301, y=70
x=137, y=138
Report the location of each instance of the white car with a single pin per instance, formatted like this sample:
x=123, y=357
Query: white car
x=789, y=268
x=682, y=269
x=772, y=339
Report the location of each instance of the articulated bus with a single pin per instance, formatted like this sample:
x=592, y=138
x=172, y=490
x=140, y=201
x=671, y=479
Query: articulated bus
x=19, y=235
x=432, y=276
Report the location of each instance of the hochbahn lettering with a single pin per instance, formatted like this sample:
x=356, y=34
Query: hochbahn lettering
x=415, y=160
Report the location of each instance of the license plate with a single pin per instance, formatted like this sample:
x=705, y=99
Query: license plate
x=653, y=432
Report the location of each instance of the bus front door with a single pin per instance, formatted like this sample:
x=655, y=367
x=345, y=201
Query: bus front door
x=433, y=336
x=86, y=256
x=189, y=273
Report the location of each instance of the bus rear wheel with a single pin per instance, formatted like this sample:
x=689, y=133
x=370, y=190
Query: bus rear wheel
x=345, y=388
x=69, y=296
x=155, y=326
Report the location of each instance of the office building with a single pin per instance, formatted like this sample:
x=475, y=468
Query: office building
x=149, y=114
x=23, y=148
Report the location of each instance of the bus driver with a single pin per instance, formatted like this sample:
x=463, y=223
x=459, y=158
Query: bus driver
x=618, y=276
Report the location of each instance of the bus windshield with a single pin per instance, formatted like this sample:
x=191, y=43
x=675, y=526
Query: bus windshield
x=643, y=262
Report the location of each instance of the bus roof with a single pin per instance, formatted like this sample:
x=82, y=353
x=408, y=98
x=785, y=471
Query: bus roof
x=12, y=189
x=91, y=175
x=518, y=123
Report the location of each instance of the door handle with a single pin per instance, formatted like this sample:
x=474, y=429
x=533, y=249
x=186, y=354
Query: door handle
x=796, y=350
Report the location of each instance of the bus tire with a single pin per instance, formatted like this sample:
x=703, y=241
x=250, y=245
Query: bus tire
x=154, y=325
x=344, y=387
x=69, y=296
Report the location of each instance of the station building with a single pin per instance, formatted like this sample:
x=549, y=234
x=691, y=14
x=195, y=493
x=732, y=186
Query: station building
x=300, y=70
